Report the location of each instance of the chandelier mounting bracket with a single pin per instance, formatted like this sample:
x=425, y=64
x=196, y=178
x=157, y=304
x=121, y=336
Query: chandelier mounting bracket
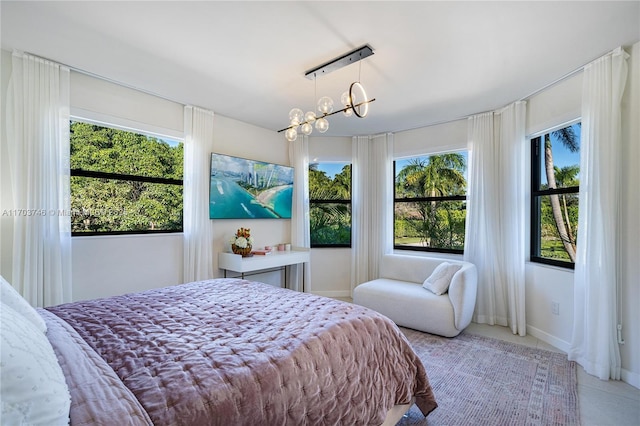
x=339, y=62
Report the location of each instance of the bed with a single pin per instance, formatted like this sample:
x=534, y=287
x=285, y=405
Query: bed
x=232, y=352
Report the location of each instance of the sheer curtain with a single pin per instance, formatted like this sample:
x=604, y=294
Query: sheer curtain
x=495, y=228
x=197, y=229
x=300, y=233
x=371, y=205
x=38, y=136
x=594, y=341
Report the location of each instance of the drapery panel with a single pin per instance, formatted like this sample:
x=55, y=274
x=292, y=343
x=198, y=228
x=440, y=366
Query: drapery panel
x=38, y=141
x=594, y=340
x=300, y=231
x=495, y=225
x=371, y=205
x=197, y=228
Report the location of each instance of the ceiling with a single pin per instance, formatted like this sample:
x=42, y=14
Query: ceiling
x=432, y=62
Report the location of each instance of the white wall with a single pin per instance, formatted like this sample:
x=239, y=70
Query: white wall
x=546, y=284
x=330, y=267
x=110, y=265
x=113, y=265
x=232, y=137
x=554, y=106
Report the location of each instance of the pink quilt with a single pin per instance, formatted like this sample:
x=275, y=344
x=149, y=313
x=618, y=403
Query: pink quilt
x=234, y=352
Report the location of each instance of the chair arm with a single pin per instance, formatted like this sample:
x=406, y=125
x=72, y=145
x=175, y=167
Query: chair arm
x=462, y=293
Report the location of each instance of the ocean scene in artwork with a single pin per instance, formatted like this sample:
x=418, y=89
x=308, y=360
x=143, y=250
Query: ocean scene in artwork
x=249, y=189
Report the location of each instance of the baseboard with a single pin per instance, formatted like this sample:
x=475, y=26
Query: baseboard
x=548, y=338
x=630, y=377
x=627, y=376
x=334, y=293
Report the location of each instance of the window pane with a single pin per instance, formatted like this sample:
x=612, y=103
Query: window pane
x=110, y=205
x=431, y=176
x=559, y=158
x=102, y=149
x=330, y=223
x=558, y=226
x=432, y=224
x=330, y=181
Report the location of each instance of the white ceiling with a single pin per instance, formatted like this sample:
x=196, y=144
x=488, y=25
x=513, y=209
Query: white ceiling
x=433, y=61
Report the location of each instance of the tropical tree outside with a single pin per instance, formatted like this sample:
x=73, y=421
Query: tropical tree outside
x=557, y=194
x=430, y=194
x=123, y=181
x=330, y=204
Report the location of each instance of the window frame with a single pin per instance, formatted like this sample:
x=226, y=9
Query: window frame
x=425, y=199
x=347, y=202
x=125, y=178
x=535, y=234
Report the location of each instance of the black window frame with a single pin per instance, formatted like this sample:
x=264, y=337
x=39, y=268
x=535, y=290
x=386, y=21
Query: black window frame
x=423, y=199
x=347, y=202
x=536, y=197
x=127, y=178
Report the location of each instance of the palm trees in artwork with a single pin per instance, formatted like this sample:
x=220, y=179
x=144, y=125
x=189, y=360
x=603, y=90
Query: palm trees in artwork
x=565, y=177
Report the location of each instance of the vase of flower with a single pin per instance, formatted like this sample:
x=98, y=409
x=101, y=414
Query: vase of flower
x=242, y=242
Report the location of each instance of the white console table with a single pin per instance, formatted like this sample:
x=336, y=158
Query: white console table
x=262, y=263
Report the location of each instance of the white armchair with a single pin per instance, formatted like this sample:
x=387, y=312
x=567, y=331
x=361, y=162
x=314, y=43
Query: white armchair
x=399, y=295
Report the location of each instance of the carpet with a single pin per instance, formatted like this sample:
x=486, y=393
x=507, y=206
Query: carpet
x=482, y=381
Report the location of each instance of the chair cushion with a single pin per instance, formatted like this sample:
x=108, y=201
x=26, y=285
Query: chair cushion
x=439, y=280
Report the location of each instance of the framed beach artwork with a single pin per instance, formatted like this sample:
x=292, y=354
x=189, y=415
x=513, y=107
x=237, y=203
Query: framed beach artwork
x=249, y=189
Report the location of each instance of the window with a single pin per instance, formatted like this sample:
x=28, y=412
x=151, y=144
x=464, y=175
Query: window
x=124, y=182
x=555, y=172
x=330, y=204
x=430, y=202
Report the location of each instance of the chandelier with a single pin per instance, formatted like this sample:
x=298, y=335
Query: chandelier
x=354, y=101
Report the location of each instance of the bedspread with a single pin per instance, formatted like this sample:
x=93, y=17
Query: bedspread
x=235, y=352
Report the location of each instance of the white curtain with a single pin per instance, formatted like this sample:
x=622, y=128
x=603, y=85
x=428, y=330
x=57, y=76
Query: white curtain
x=300, y=232
x=197, y=228
x=371, y=205
x=495, y=228
x=38, y=136
x=594, y=341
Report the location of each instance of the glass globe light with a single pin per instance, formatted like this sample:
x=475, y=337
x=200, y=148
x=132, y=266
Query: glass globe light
x=291, y=135
x=306, y=128
x=345, y=99
x=348, y=112
x=325, y=105
x=310, y=117
x=296, y=116
x=322, y=125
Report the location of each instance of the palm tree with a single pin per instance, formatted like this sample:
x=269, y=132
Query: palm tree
x=439, y=175
x=566, y=177
x=568, y=138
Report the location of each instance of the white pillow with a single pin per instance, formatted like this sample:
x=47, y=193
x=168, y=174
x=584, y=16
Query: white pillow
x=33, y=390
x=439, y=280
x=10, y=297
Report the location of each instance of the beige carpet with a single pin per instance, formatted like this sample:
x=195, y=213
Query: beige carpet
x=482, y=381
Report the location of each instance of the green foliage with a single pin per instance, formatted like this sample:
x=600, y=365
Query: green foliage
x=330, y=223
x=433, y=223
x=108, y=205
